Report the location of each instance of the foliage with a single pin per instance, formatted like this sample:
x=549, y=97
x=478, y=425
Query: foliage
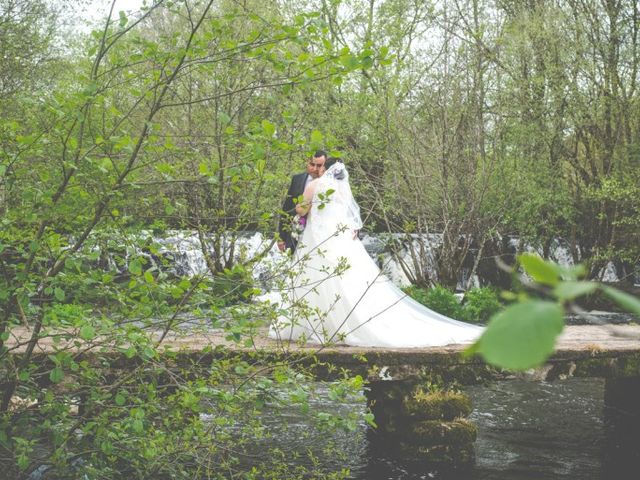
x=620, y=195
x=479, y=304
x=173, y=117
x=467, y=120
x=233, y=285
x=27, y=42
x=438, y=298
x=523, y=335
x=480, y=120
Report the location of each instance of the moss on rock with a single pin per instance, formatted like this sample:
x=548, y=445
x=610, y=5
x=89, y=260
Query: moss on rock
x=436, y=405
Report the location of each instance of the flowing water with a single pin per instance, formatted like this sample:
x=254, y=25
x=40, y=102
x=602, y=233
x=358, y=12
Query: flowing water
x=526, y=430
x=183, y=248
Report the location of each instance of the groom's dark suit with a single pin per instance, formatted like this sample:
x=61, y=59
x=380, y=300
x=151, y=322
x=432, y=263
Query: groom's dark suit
x=298, y=183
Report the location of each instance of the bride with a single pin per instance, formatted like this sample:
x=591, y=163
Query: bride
x=337, y=292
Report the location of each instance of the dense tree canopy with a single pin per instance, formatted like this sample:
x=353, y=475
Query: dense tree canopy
x=468, y=119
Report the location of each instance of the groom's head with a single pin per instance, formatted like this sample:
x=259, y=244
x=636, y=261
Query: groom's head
x=316, y=162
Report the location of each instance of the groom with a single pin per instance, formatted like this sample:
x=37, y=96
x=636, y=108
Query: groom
x=298, y=184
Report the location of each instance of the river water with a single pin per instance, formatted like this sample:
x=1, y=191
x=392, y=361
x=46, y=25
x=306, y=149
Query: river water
x=526, y=430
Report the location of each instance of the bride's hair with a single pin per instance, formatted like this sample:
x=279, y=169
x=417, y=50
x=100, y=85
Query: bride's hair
x=339, y=174
x=330, y=161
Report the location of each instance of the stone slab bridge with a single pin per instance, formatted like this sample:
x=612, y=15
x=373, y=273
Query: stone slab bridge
x=608, y=351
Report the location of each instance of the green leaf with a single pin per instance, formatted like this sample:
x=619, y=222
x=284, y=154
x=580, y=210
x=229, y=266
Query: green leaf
x=268, y=128
x=137, y=426
x=541, y=271
x=149, y=453
x=369, y=418
x=148, y=352
x=349, y=61
x=23, y=461
x=123, y=18
x=367, y=62
x=571, y=290
x=87, y=332
x=59, y=294
x=626, y=301
x=56, y=375
x=120, y=399
x=135, y=266
x=148, y=276
x=241, y=369
x=522, y=336
x=106, y=447
x=316, y=137
x=258, y=151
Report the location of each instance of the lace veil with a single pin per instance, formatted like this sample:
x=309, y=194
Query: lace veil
x=337, y=178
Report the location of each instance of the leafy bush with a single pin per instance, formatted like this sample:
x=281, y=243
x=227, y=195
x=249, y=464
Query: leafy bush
x=477, y=307
x=233, y=285
x=67, y=314
x=479, y=304
x=417, y=293
x=438, y=298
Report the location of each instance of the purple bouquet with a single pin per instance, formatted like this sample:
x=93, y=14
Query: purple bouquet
x=298, y=224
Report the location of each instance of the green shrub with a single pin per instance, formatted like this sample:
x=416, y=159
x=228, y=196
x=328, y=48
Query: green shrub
x=234, y=285
x=479, y=304
x=67, y=314
x=417, y=293
x=438, y=298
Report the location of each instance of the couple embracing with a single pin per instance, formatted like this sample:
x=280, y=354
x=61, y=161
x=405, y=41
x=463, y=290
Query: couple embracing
x=337, y=294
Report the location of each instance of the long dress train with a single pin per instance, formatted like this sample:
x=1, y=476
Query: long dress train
x=339, y=295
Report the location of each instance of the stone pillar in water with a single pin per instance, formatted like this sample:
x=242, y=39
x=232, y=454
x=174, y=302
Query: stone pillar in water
x=420, y=423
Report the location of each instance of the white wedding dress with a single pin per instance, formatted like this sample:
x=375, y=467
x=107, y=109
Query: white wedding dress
x=338, y=294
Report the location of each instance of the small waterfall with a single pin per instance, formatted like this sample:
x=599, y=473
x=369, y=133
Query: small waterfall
x=184, y=248
x=182, y=251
